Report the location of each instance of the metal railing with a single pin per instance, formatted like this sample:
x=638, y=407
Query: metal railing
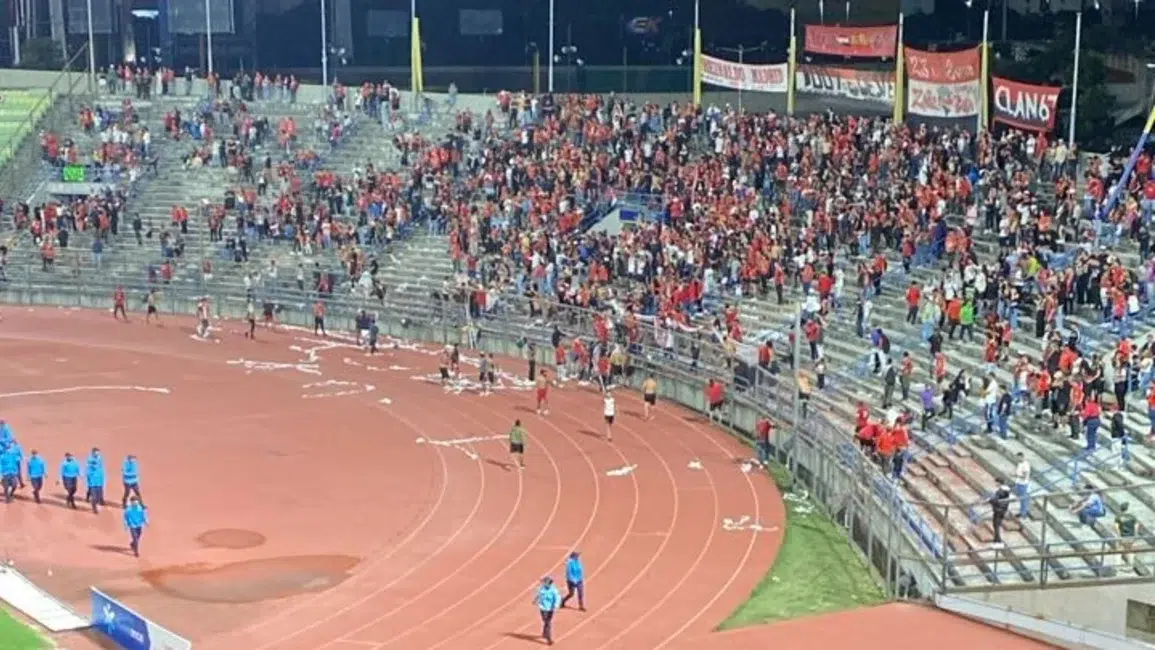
x=45, y=115
x=917, y=548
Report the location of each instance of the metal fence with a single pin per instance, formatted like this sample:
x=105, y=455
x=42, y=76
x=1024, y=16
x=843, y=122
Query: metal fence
x=53, y=113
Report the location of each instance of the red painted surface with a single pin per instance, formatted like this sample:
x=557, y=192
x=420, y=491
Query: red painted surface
x=447, y=548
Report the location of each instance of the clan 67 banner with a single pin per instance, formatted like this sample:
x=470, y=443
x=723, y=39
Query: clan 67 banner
x=744, y=76
x=865, y=42
x=129, y=630
x=1026, y=106
x=943, y=84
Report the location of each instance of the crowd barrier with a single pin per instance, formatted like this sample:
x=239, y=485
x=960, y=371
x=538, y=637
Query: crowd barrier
x=128, y=629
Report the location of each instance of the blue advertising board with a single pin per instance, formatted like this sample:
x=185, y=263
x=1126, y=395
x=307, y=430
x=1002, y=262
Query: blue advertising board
x=129, y=630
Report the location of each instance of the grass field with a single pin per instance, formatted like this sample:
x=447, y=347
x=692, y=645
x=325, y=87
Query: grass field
x=15, y=108
x=816, y=571
x=15, y=635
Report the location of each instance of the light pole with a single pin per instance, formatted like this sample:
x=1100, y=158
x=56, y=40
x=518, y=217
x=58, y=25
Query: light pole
x=984, y=62
x=209, y=33
x=1075, y=75
x=324, y=45
x=549, y=75
x=91, y=50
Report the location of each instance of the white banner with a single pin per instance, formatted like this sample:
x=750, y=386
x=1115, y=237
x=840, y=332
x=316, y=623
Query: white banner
x=943, y=100
x=744, y=76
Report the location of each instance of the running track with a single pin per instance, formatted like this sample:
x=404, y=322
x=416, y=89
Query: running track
x=283, y=437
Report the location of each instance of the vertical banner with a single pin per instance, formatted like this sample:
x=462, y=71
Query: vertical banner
x=129, y=630
x=943, y=84
x=1125, y=179
x=1025, y=106
x=697, y=80
x=861, y=42
x=899, y=62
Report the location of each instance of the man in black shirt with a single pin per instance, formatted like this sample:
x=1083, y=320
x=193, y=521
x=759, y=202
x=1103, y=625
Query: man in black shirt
x=999, y=503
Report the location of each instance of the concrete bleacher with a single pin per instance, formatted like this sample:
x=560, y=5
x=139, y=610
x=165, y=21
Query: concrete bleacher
x=954, y=464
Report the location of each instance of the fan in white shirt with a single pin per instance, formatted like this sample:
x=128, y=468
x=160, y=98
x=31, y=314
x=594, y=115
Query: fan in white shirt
x=609, y=410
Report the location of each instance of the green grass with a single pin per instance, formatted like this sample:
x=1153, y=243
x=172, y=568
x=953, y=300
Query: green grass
x=817, y=570
x=15, y=635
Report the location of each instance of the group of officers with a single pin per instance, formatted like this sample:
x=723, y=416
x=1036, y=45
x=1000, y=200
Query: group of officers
x=14, y=467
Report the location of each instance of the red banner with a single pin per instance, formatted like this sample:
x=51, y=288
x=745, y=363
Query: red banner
x=943, y=84
x=1026, y=106
x=864, y=42
x=744, y=76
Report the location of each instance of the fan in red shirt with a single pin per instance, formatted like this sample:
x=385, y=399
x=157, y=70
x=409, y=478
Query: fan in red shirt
x=715, y=398
x=119, y=304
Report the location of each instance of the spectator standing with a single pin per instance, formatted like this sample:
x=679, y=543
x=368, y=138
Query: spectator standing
x=1126, y=527
x=1023, y=485
x=999, y=501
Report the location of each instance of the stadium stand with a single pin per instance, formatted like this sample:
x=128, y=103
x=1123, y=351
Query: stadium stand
x=731, y=225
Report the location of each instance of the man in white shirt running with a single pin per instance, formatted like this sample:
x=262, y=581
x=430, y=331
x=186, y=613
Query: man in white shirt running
x=609, y=410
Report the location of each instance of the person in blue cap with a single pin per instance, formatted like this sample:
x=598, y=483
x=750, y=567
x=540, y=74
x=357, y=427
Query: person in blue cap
x=575, y=581
x=94, y=477
x=36, y=471
x=547, y=601
x=6, y=435
x=135, y=519
x=9, y=470
x=69, y=473
x=130, y=472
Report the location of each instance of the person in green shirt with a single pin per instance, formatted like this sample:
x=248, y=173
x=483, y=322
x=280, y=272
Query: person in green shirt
x=1126, y=526
x=517, y=444
x=967, y=320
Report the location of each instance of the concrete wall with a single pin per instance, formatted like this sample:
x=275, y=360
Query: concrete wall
x=1102, y=608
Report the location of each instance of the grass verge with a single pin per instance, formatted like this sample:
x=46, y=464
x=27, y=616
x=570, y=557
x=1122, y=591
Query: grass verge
x=15, y=635
x=817, y=570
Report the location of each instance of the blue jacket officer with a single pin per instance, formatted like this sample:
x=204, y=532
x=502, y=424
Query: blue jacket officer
x=575, y=576
x=547, y=601
x=16, y=449
x=130, y=472
x=135, y=519
x=36, y=471
x=69, y=472
x=9, y=470
x=94, y=477
x=6, y=434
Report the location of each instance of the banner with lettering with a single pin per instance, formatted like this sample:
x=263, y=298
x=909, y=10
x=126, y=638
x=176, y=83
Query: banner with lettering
x=1026, y=106
x=864, y=85
x=943, y=84
x=744, y=76
x=862, y=42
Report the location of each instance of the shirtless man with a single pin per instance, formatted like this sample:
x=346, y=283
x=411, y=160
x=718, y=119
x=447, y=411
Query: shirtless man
x=443, y=366
x=542, y=383
x=649, y=396
x=203, y=318
x=150, y=311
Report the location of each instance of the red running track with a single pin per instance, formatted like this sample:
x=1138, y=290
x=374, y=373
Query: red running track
x=351, y=534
